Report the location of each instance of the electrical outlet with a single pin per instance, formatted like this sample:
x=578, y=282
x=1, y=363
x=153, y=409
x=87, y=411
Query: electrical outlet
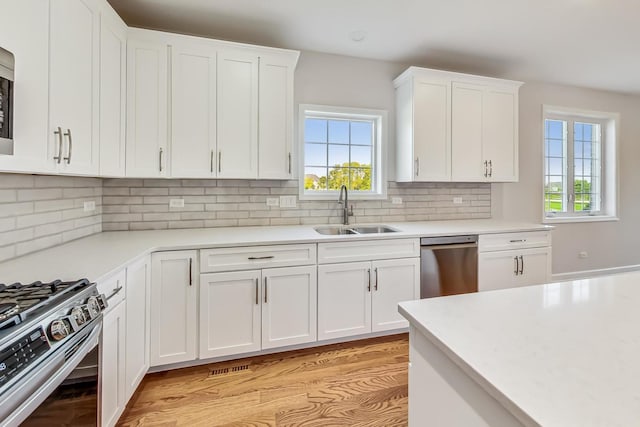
x=583, y=254
x=176, y=203
x=396, y=200
x=287, y=201
x=457, y=200
x=273, y=201
x=89, y=206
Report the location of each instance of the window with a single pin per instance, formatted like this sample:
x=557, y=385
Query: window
x=342, y=146
x=579, y=165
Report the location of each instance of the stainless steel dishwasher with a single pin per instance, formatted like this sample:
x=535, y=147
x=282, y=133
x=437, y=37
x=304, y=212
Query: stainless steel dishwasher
x=448, y=265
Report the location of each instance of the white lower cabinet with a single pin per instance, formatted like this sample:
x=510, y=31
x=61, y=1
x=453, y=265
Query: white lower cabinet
x=247, y=311
x=512, y=260
x=362, y=297
x=112, y=361
x=137, y=326
x=174, y=292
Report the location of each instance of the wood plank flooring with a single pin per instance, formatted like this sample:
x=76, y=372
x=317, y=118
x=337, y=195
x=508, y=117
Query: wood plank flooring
x=362, y=383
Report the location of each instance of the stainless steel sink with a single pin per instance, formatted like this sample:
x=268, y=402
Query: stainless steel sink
x=361, y=229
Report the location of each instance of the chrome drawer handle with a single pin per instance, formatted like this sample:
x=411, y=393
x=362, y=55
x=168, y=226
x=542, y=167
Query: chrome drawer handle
x=115, y=292
x=518, y=241
x=251, y=258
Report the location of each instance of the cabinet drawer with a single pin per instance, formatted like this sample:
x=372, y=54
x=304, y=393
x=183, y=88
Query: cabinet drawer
x=367, y=250
x=508, y=241
x=113, y=288
x=254, y=257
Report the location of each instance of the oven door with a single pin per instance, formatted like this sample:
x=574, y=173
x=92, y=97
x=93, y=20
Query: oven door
x=63, y=391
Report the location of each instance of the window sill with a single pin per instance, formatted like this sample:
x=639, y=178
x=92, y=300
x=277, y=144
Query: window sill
x=573, y=219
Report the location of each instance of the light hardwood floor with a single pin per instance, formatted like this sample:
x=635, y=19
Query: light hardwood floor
x=362, y=383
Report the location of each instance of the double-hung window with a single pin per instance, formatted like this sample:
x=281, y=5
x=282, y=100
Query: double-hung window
x=342, y=146
x=579, y=165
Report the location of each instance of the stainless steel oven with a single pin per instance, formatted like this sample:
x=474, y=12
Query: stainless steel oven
x=49, y=354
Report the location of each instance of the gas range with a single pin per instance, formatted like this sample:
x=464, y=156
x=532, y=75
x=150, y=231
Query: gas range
x=43, y=329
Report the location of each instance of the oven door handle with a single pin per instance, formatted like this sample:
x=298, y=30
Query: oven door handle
x=35, y=389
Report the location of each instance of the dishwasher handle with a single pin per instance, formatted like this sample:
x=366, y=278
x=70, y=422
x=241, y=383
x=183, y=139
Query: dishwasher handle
x=468, y=241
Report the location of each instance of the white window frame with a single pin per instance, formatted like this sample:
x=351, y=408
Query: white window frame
x=378, y=166
x=610, y=125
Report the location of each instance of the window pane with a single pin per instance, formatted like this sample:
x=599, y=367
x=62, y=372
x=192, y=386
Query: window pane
x=577, y=168
x=315, y=130
x=315, y=178
x=554, y=147
x=338, y=155
x=577, y=131
x=554, y=184
x=555, y=129
x=362, y=133
x=338, y=177
x=315, y=154
x=577, y=148
x=360, y=179
x=587, y=132
x=555, y=166
x=586, y=153
x=339, y=131
x=360, y=155
x=553, y=202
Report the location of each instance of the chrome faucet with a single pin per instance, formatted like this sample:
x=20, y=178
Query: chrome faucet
x=343, y=200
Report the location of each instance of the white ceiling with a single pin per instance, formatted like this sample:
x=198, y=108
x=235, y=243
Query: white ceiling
x=591, y=43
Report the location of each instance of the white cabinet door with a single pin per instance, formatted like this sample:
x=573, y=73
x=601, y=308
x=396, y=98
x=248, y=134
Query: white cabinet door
x=289, y=304
x=146, y=108
x=73, y=92
x=466, y=133
x=509, y=269
x=193, y=130
x=174, y=286
x=394, y=281
x=275, y=123
x=432, y=130
x=237, y=114
x=230, y=313
x=113, y=92
x=112, y=363
x=25, y=33
x=499, y=134
x=344, y=300
x=137, y=330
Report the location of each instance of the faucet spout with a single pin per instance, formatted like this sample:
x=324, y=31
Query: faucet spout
x=343, y=200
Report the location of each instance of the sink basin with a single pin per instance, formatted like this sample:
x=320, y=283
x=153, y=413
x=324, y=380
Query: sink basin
x=369, y=229
x=361, y=229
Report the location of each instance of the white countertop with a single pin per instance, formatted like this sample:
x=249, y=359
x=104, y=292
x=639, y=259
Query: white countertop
x=562, y=354
x=98, y=256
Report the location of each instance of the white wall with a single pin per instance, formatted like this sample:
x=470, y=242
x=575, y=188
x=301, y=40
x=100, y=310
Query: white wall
x=609, y=244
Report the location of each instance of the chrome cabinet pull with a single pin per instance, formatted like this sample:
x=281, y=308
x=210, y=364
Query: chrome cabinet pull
x=518, y=241
x=160, y=159
x=115, y=292
x=517, y=266
x=485, y=169
x=68, y=135
x=219, y=161
x=369, y=280
x=289, y=163
x=417, y=166
x=490, y=169
x=58, y=132
x=521, y=265
x=257, y=284
x=212, y=161
x=375, y=286
x=265, y=290
x=190, y=271
x=251, y=258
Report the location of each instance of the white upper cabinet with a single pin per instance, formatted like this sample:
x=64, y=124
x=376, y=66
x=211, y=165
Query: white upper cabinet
x=456, y=127
x=146, y=154
x=113, y=86
x=26, y=36
x=193, y=107
x=73, y=90
x=237, y=114
x=275, y=116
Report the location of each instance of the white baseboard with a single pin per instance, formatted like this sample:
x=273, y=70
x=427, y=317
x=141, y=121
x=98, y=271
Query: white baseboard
x=572, y=275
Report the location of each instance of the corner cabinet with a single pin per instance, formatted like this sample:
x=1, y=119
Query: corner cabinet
x=510, y=260
x=456, y=127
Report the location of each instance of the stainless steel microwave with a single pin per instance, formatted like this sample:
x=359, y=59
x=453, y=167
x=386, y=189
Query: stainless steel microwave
x=6, y=102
